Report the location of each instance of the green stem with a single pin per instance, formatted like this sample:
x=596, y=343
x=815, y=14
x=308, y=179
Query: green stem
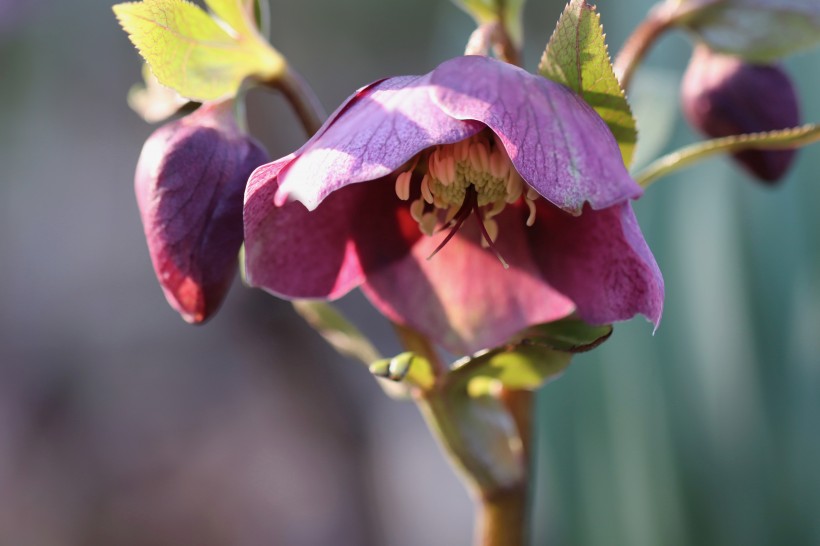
x=774, y=140
x=475, y=445
x=499, y=487
x=657, y=22
x=302, y=99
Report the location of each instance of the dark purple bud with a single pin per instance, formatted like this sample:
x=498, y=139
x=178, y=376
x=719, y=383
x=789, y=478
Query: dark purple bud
x=190, y=183
x=723, y=95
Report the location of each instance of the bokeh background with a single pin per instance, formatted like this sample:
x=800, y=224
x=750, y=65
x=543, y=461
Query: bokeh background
x=121, y=425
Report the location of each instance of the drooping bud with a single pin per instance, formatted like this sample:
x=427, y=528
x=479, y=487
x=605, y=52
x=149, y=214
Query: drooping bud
x=722, y=95
x=190, y=182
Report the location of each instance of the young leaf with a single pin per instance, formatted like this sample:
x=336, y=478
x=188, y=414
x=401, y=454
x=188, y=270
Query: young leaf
x=236, y=13
x=190, y=52
x=577, y=57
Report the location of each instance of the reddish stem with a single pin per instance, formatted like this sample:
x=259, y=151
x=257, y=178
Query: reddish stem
x=658, y=20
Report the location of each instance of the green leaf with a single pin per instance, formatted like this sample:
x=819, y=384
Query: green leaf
x=757, y=30
x=191, y=53
x=577, y=56
x=568, y=335
x=409, y=368
x=487, y=11
x=773, y=140
x=523, y=366
x=238, y=14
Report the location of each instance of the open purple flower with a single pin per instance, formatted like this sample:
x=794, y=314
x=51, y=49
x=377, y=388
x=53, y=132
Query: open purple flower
x=468, y=203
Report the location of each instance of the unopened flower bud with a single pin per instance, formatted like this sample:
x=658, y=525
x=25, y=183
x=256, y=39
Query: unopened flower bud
x=722, y=95
x=190, y=182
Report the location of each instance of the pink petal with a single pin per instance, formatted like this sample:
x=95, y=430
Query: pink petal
x=375, y=133
x=601, y=261
x=295, y=253
x=463, y=298
x=558, y=144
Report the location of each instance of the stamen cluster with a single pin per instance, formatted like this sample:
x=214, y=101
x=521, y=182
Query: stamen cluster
x=471, y=176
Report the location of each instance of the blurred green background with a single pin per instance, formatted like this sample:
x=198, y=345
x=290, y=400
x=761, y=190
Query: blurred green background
x=121, y=425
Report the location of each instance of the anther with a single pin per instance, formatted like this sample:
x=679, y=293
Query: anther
x=427, y=225
x=403, y=185
x=531, y=217
x=515, y=186
x=417, y=209
x=446, y=169
x=479, y=157
x=432, y=164
x=499, y=164
x=461, y=150
x=425, y=189
x=495, y=210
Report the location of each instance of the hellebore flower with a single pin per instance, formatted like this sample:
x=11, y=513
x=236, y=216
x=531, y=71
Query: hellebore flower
x=479, y=163
x=189, y=182
x=723, y=95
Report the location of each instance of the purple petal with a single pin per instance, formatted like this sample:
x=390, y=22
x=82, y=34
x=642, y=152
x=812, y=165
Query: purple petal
x=293, y=252
x=189, y=184
x=601, y=261
x=374, y=134
x=463, y=298
x=558, y=144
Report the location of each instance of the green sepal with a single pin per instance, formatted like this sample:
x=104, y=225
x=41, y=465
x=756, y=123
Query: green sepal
x=525, y=367
x=535, y=356
x=567, y=335
x=577, y=56
x=408, y=368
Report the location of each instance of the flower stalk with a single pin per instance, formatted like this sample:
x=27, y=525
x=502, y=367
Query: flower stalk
x=495, y=473
x=301, y=97
x=502, y=518
x=657, y=22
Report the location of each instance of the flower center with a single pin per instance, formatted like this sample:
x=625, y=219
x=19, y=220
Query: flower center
x=474, y=176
